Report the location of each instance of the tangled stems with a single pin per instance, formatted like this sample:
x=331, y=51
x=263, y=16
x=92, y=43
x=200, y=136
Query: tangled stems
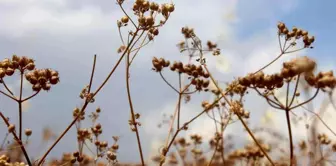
x=17, y=139
x=177, y=112
x=184, y=126
x=240, y=118
x=92, y=95
x=223, y=127
x=73, y=122
x=287, y=108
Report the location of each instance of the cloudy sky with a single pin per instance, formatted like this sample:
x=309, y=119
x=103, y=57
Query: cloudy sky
x=64, y=35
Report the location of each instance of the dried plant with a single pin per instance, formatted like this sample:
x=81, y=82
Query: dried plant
x=193, y=77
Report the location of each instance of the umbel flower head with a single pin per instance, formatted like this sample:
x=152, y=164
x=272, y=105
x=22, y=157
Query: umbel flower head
x=39, y=78
x=42, y=79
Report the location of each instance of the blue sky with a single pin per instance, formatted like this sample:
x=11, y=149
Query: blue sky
x=64, y=35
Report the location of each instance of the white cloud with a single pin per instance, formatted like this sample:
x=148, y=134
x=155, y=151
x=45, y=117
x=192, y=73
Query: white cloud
x=54, y=17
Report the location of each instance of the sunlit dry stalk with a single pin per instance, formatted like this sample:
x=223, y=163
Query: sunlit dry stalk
x=135, y=125
x=17, y=139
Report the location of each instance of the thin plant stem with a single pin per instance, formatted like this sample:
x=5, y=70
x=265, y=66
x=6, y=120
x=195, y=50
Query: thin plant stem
x=171, y=86
x=320, y=118
x=295, y=90
x=20, y=105
x=92, y=72
x=307, y=100
x=179, y=102
x=277, y=105
x=3, y=82
x=17, y=139
x=117, y=64
x=274, y=60
x=138, y=49
x=330, y=95
x=12, y=97
x=132, y=108
x=290, y=138
x=30, y=96
x=4, y=141
x=122, y=8
x=222, y=143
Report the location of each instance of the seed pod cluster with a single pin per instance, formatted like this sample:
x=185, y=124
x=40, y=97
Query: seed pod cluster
x=296, y=33
x=303, y=145
x=321, y=80
x=236, y=88
x=172, y=160
x=76, y=156
x=324, y=139
x=260, y=80
x=140, y=7
x=213, y=47
x=101, y=144
x=215, y=141
x=97, y=129
x=200, y=84
x=8, y=66
x=42, y=79
x=111, y=155
x=249, y=151
x=76, y=112
x=152, y=32
x=189, y=69
x=297, y=66
x=182, y=142
x=188, y=32
x=166, y=9
x=206, y=105
x=159, y=64
x=197, y=151
x=112, y=151
x=333, y=147
x=196, y=73
x=196, y=139
x=83, y=134
x=5, y=161
x=237, y=108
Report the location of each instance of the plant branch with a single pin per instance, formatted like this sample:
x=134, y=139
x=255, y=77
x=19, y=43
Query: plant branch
x=164, y=79
x=290, y=137
x=295, y=90
x=30, y=96
x=12, y=97
x=132, y=108
x=3, y=82
x=17, y=139
x=74, y=120
x=20, y=104
x=317, y=90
